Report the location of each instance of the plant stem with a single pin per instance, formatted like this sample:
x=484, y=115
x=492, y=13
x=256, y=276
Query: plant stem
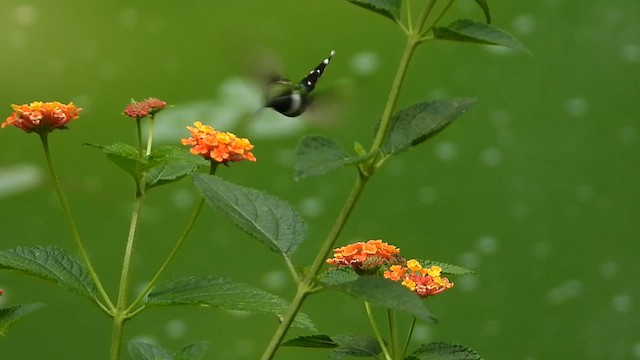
x=139, y=135
x=120, y=315
x=150, y=137
x=74, y=230
x=406, y=345
x=372, y=321
x=173, y=253
x=306, y=286
x=393, y=332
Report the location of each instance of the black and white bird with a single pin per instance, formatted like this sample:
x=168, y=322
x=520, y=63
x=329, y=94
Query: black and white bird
x=290, y=98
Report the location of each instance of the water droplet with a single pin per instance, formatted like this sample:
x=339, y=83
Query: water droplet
x=275, y=279
x=470, y=260
x=25, y=15
x=492, y=328
x=577, y=106
x=630, y=53
x=176, y=329
x=467, y=283
x=629, y=135
x=312, y=207
x=421, y=333
x=584, y=194
x=446, y=151
x=17, y=38
x=621, y=303
x=364, y=63
x=491, y=157
x=564, y=292
x=524, y=24
x=182, y=199
x=487, y=245
x=128, y=18
x=541, y=250
x=56, y=66
x=427, y=194
x=608, y=269
x=19, y=178
x=635, y=350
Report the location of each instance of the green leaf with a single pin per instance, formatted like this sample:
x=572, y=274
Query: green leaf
x=417, y=123
x=313, y=341
x=173, y=163
x=356, y=346
x=447, y=268
x=52, y=264
x=336, y=276
x=193, y=351
x=9, y=316
x=224, y=294
x=263, y=216
x=485, y=9
x=127, y=158
x=317, y=155
x=387, y=293
x=140, y=350
x=477, y=32
x=443, y=351
x=386, y=8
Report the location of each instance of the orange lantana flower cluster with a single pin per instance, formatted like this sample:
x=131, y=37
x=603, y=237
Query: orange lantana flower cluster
x=140, y=109
x=216, y=145
x=42, y=117
x=424, y=281
x=365, y=256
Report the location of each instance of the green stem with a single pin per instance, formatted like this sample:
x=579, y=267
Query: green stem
x=120, y=314
x=74, y=230
x=305, y=287
x=393, y=332
x=150, y=136
x=139, y=135
x=406, y=345
x=172, y=254
x=437, y=20
x=372, y=321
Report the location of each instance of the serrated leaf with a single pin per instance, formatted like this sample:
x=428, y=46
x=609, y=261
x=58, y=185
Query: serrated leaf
x=387, y=293
x=140, y=350
x=337, y=276
x=173, y=163
x=317, y=155
x=312, y=341
x=447, y=268
x=193, y=351
x=387, y=8
x=356, y=346
x=443, y=351
x=224, y=294
x=9, y=316
x=52, y=264
x=417, y=123
x=485, y=9
x=126, y=157
x=265, y=217
x=477, y=32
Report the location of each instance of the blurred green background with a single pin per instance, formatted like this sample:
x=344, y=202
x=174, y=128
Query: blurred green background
x=536, y=188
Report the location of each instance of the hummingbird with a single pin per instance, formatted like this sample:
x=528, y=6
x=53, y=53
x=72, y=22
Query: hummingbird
x=290, y=98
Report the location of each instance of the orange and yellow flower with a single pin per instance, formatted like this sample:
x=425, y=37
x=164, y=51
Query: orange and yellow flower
x=219, y=146
x=140, y=109
x=42, y=117
x=365, y=256
x=424, y=281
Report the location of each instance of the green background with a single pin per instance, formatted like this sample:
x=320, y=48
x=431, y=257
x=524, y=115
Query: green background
x=536, y=188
